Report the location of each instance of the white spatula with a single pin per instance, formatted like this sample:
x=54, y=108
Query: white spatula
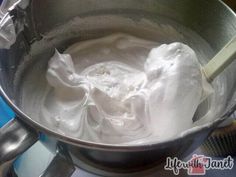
x=218, y=63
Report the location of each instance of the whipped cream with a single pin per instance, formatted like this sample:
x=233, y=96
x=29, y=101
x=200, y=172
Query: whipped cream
x=127, y=90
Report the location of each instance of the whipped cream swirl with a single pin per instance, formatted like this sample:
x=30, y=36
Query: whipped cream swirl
x=128, y=90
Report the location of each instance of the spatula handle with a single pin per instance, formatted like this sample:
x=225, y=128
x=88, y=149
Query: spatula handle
x=224, y=58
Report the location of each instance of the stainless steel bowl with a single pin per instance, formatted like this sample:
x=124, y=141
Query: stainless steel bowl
x=211, y=19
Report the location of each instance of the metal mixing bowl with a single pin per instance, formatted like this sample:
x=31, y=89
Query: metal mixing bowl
x=211, y=19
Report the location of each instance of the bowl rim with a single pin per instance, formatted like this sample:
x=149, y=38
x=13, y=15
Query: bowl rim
x=112, y=147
